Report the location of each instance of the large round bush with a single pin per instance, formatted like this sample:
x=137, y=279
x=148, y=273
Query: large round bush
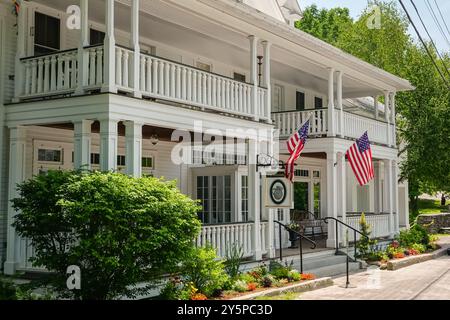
x=119, y=230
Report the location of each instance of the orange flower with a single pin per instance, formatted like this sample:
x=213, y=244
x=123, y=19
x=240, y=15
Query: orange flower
x=399, y=255
x=308, y=276
x=199, y=296
x=251, y=286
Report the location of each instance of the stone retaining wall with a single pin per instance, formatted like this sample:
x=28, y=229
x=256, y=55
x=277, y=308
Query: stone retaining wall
x=433, y=223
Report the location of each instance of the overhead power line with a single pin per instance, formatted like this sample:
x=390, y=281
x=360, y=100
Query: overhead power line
x=436, y=21
x=442, y=17
x=431, y=39
x=424, y=44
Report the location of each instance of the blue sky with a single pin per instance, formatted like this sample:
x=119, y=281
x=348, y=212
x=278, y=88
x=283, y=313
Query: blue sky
x=356, y=6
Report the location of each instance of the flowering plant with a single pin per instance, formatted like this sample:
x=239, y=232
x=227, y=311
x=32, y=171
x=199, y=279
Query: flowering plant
x=252, y=286
x=399, y=255
x=199, y=296
x=294, y=226
x=308, y=276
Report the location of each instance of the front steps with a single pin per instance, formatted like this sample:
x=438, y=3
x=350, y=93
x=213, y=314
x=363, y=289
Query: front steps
x=322, y=263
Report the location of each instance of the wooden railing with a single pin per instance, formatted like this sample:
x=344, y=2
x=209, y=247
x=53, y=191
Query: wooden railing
x=223, y=236
x=351, y=126
x=379, y=223
x=164, y=79
x=290, y=121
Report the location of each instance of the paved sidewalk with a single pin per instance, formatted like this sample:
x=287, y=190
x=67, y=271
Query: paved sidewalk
x=422, y=281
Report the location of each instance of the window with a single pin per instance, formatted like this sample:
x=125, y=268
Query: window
x=95, y=158
x=318, y=103
x=239, y=77
x=203, y=196
x=49, y=155
x=317, y=207
x=96, y=37
x=278, y=98
x=121, y=161
x=244, y=198
x=147, y=162
x=214, y=193
x=203, y=66
x=302, y=173
x=46, y=34
x=300, y=101
x=316, y=174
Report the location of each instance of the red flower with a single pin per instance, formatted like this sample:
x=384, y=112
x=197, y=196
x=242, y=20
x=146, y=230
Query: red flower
x=251, y=286
x=199, y=296
x=308, y=276
x=395, y=244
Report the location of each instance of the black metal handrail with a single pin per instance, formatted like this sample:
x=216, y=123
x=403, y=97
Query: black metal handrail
x=301, y=237
x=312, y=214
x=355, y=231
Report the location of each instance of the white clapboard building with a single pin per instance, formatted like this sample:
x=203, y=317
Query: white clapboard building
x=112, y=85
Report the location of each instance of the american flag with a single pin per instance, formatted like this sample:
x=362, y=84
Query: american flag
x=295, y=146
x=360, y=157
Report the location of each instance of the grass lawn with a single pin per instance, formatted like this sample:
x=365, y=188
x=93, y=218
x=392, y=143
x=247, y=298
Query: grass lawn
x=432, y=206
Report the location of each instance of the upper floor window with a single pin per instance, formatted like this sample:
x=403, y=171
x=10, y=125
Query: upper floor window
x=300, y=101
x=96, y=37
x=278, y=98
x=318, y=103
x=239, y=76
x=46, y=34
x=121, y=160
x=50, y=155
x=95, y=158
x=148, y=163
x=203, y=66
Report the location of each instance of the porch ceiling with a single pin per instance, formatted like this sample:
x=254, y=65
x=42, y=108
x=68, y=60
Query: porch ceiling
x=169, y=23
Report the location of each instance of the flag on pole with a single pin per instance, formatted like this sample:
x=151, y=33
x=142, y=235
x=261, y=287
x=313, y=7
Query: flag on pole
x=360, y=157
x=295, y=146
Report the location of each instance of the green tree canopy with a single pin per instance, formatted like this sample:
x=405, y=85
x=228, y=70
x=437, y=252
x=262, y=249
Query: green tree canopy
x=423, y=114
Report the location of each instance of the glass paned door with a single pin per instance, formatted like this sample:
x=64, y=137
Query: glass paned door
x=46, y=34
x=301, y=198
x=317, y=206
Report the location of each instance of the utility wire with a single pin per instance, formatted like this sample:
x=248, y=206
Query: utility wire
x=442, y=16
x=436, y=20
x=431, y=39
x=424, y=44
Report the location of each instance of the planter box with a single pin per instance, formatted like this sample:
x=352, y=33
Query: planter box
x=408, y=261
x=297, y=287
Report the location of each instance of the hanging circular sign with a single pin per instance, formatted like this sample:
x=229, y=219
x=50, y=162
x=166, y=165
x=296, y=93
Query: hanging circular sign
x=278, y=191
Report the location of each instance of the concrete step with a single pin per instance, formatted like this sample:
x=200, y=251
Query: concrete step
x=333, y=270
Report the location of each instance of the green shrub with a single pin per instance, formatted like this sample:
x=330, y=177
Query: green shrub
x=7, y=290
x=294, y=275
x=119, y=230
x=419, y=247
x=267, y=281
x=240, y=286
x=365, y=245
x=279, y=271
x=234, y=254
x=248, y=278
x=416, y=234
x=205, y=271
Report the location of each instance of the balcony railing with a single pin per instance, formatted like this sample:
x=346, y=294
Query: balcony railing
x=59, y=74
x=223, y=236
x=379, y=223
x=351, y=126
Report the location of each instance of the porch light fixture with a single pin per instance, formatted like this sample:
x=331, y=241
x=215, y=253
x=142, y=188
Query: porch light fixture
x=154, y=139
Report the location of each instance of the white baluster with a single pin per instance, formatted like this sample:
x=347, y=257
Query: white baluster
x=33, y=76
x=204, y=89
x=73, y=71
x=40, y=75
x=167, y=79
x=143, y=70
x=119, y=75
x=99, y=66
x=172, y=81
x=27, y=77
x=178, y=86
x=194, y=86
x=125, y=68
x=228, y=96
x=199, y=87
x=46, y=74
x=92, y=69
x=184, y=83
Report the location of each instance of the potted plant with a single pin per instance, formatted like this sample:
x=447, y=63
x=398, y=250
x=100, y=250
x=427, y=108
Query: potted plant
x=293, y=229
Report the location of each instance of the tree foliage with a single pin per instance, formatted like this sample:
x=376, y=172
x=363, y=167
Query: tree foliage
x=119, y=230
x=423, y=114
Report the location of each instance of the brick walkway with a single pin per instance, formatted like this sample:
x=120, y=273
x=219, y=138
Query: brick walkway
x=422, y=281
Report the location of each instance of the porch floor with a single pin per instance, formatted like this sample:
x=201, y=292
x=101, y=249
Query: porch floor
x=321, y=246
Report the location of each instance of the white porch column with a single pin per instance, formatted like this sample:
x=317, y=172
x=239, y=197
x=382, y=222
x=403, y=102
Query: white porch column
x=331, y=114
x=254, y=75
x=375, y=107
x=393, y=119
x=341, y=190
x=388, y=206
x=17, y=149
x=386, y=116
x=271, y=233
x=83, y=57
x=253, y=197
x=267, y=79
x=110, y=50
x=20, y=53
x=82, y=145
x=331, y=196
x=136, y=47
x=133, y=141
x=340, y=105
x=378, y=207
x=395, y=196
x=108, y=145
